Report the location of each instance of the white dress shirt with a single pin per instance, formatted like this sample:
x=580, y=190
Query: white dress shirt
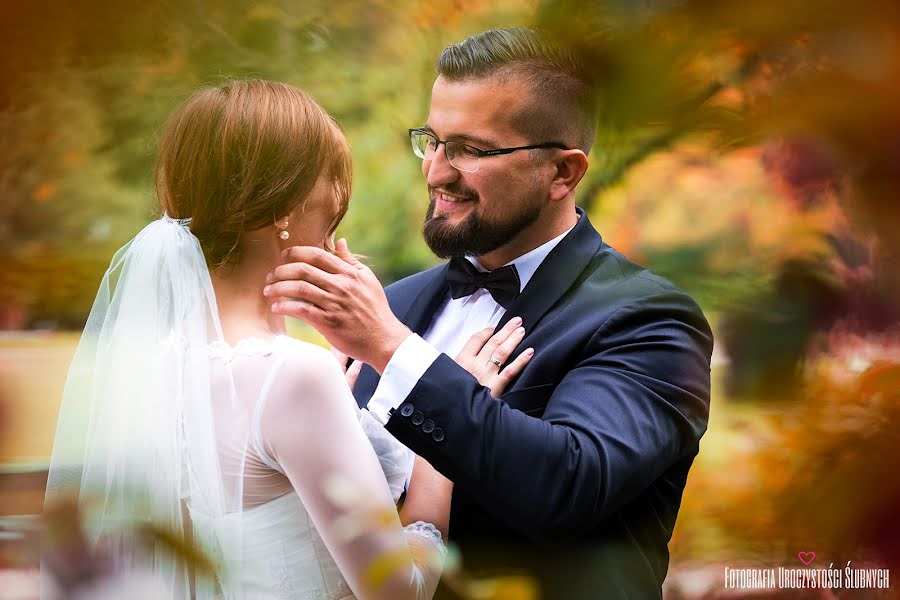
x=451, y=327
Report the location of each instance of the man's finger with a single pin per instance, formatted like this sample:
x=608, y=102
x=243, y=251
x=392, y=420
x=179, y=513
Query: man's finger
x=304, y=311
x=316, y=257
x=305, y=272
x=301, y=290
x=343, y=251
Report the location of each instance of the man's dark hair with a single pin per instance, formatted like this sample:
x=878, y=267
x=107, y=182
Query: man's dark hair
x=563, y=104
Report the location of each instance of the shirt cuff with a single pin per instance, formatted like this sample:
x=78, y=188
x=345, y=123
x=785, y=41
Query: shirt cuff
x=410, y=361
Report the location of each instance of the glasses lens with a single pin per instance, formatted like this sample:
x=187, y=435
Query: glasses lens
x=462, y=156
x=422, y=143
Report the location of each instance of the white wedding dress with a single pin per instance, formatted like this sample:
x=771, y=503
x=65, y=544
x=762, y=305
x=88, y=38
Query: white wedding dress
x=282, y=554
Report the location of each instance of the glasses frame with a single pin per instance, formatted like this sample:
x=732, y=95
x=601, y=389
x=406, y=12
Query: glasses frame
x=478, y=151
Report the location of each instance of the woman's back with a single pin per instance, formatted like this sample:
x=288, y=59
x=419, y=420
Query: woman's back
x=271, y=547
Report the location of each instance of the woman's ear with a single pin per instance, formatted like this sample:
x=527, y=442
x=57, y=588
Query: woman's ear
x=571, y=165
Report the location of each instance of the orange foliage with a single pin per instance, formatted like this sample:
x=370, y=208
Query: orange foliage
x=44, y=192
x=814, y=472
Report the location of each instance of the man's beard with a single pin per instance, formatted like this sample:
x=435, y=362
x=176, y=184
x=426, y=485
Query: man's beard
x=474, y=236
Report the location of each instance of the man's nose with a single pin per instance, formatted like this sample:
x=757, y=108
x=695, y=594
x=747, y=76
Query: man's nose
x=438, y=170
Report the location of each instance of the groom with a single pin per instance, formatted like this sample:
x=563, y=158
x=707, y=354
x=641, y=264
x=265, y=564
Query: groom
x=575, y=474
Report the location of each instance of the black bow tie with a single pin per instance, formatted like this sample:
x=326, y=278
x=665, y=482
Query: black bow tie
x=464, y=279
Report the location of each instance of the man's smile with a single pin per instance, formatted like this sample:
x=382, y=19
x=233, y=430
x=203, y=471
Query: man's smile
x=445, y=202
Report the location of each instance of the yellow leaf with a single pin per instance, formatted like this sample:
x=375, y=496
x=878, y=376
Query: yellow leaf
x=510, y=587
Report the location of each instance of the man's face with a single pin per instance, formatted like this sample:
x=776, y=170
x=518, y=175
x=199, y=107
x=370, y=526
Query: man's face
x=477, y=213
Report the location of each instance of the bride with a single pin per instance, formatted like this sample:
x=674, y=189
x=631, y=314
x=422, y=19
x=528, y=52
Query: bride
x=188, y=408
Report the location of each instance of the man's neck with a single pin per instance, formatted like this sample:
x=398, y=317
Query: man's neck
x=544, y=229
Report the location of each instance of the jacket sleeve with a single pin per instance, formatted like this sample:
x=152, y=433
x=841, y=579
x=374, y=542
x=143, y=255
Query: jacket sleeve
x=636, y=401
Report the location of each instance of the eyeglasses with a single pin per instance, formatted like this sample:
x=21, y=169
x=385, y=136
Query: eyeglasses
x=463, y=157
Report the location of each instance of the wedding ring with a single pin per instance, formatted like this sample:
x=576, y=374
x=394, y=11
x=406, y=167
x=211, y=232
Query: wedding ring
x=494, y=361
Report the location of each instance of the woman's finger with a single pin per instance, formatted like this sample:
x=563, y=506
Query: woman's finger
x=353, y=373
x=504, y=350
x=342, y=250
x=510, y=371
x=476, y=342
x=498, y=338
x=341, y=358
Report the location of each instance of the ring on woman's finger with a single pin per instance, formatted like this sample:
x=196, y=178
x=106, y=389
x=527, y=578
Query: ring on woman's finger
x=494, y=361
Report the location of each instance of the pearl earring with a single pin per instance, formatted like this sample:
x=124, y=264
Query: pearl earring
x=283, y=233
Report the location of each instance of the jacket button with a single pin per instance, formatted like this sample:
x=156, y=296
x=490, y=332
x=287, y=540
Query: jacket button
x=428, y=426
x=406, y=409
x=417, y=418
x=438, y=434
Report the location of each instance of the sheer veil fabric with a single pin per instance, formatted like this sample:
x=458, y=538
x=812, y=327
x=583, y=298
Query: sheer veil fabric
x=127, y=439
x=160, y=414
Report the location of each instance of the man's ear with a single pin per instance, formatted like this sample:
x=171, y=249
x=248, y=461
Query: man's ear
x=571, y=165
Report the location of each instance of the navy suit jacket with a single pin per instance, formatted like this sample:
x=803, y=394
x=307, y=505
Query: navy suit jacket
x=575, y=474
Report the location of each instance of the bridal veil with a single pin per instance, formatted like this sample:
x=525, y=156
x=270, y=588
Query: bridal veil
x=135, y=436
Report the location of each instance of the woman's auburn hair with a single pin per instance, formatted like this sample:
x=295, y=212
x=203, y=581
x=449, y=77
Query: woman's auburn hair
x=236, y=157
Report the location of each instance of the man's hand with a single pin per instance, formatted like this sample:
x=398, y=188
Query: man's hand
x=341, y=298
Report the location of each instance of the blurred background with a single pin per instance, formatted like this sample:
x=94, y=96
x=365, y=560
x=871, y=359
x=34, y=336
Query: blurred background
x=748, y=150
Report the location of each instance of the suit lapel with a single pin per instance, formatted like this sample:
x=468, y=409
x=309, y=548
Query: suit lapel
x=422, y=307
x=556, y=274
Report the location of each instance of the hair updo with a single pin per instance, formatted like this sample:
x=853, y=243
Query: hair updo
x=236, y=157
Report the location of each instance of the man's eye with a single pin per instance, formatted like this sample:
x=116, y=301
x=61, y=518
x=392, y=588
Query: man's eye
x=468, y=151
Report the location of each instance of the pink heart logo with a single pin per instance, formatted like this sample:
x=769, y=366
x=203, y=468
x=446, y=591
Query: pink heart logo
x=806, y=557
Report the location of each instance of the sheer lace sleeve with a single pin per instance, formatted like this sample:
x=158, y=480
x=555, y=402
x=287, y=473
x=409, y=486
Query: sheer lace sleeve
x=310, y=426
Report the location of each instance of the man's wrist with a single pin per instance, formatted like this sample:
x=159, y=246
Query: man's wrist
x=389, y=345
x=409, y=362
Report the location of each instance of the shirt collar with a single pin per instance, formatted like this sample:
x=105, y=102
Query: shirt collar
x=529, y=262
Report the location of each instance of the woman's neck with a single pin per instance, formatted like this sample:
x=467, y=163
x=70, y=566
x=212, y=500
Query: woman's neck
x=243, y=310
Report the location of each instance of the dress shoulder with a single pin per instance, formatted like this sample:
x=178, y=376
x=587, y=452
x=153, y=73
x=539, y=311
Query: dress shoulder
x=308, y=374
x=304, y=361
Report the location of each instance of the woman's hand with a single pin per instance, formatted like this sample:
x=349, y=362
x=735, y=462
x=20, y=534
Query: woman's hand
x=485, y=354
x=351, y=372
